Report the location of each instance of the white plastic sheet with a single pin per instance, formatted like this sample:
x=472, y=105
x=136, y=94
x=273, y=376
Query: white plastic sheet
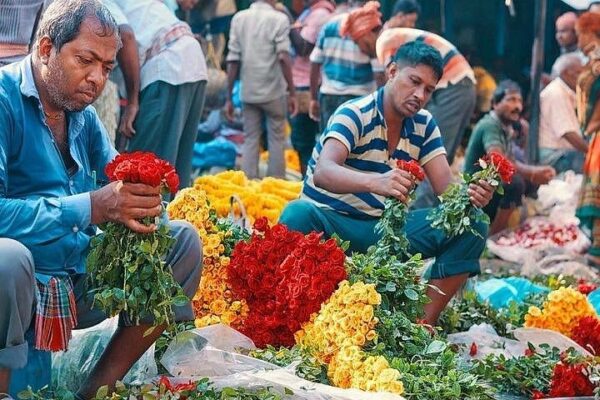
x=210, y=352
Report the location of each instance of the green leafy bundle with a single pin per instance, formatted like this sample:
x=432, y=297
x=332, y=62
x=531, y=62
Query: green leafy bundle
x=308, y=367
x=127, y=269
x=455, y=214
x=164, y=390
x=520, y=376
x=128, y=273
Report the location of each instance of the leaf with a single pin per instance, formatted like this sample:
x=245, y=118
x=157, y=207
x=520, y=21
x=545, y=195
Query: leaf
x=180, y=300
x=390, y=287
x=102, y=392
x=411, y=294
x=437, y=346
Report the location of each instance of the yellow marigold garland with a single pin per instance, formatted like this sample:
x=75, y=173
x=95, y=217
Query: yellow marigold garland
x=213, y=302
x=561, y=311
x=292, y=160
x=262, y=198
x=336, y=335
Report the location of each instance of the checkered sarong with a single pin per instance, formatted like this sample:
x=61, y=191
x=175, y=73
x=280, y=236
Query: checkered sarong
x=56, y=314
x=165, y=37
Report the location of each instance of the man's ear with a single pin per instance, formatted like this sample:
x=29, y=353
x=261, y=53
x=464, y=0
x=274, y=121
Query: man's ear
x=44, y=49
x=391, y=70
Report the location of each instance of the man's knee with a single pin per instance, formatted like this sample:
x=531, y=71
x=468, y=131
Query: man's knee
x=299, y=215
x=16, y=265
x=187, y=259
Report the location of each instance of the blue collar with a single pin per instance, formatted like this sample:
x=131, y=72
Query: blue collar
x=28, y=89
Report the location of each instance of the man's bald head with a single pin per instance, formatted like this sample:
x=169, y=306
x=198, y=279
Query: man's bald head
x=565, y=31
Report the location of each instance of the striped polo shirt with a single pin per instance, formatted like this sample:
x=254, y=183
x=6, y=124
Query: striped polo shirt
x=360, y=126
x=346, y=70
x=456, y=66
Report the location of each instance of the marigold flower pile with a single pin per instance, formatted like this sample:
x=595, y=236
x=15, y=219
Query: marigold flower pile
x=284, y=276
x=262, y=198
x=561, y=311
x=214, y=302
x=337, y=334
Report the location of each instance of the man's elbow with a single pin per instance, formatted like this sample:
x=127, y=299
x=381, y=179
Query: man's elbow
x=320, y=176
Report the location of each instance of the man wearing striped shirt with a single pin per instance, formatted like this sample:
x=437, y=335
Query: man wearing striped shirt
x=350, y=173
x=344, y=61
x=453, y=102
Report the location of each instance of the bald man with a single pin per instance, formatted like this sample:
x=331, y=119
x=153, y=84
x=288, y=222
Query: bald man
x=561, y=144
x=565, y=32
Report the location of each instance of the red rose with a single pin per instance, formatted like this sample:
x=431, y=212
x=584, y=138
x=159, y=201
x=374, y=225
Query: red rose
x=172, y=180
x=503, y=166
x=536, y=394
x=413, y=168
x=473, y=349
x=149, y=175
x=261, y=224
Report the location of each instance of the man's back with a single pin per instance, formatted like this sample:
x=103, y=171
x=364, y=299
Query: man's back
x=257, y=36
x=346, y=69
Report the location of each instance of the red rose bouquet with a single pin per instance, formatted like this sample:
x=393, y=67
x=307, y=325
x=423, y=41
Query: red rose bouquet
x=284, y=276
x=127, y=269
x=394, y=215
x=455, y=214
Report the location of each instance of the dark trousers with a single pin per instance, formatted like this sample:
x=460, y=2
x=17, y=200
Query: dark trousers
x=167, y=123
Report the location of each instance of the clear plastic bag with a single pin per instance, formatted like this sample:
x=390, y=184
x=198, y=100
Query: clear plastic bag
x=70, y=368
x=487, y=341
x=211, y=352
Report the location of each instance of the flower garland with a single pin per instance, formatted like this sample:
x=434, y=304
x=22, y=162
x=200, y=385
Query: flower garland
x=561, y=311
x=292, y=160
x=214, y=302
x=284, y=276
x=262, y=198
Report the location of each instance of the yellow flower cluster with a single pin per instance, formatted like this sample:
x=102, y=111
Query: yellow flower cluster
x=262, y=198
x=336, y=335
x=292, y=161
x=346, y=319
x=560, y=312
x=353, y=368
x=213, y=302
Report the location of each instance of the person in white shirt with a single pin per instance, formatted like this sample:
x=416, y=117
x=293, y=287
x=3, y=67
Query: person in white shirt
x=561, y=143
x=172, y=82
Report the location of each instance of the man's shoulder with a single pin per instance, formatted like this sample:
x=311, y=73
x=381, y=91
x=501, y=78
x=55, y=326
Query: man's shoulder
x=556, y=90
x=10, y=82
x=487, y=123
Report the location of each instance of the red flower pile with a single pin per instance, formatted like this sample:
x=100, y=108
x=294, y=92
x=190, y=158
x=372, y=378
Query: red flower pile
x=570, y=381
x=502, y=165
x=284, y=276
x=413, y=167
x=586, y=287
x=587, y=334
x=143, y=167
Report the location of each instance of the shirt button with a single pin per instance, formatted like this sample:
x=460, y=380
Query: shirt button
x=75, y=229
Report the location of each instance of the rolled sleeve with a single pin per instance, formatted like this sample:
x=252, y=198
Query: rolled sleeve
x=235, y=51
x=282, y=37
x=77, y=211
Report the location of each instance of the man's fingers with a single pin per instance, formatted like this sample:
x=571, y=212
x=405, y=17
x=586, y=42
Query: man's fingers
x=138, y=227
x=141, y=189
x=139, y=213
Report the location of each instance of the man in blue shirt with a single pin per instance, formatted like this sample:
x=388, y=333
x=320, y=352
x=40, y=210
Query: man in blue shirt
x=52, y=148
x=350, y=173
